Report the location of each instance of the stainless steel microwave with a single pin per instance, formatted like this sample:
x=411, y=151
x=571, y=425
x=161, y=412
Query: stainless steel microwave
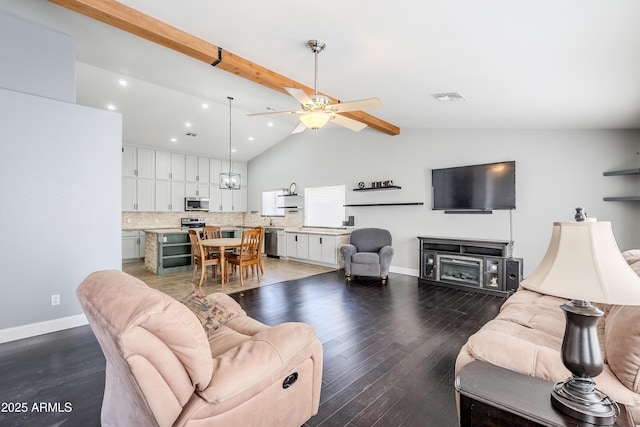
x=196, y=204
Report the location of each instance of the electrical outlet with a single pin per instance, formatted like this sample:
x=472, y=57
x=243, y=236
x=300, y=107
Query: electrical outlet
x=55, y=299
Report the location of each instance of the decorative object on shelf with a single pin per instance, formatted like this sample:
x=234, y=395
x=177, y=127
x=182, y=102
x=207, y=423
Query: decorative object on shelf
x=580, y=215
x=377, y=185
x=229, y=180
x=292, y=188
x=584, y=264
x=317, y=110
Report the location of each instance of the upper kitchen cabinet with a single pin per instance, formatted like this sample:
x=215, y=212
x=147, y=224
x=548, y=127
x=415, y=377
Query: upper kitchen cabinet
x=138, y=162
x=169, y=196
x=138, y=194
x=197, y=169
x=170, y=166
x=138, y=184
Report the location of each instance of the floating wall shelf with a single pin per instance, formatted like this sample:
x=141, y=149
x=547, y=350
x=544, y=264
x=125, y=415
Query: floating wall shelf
x=390, y=187
x=623, y=172
x=635, y=171
x=622, y=199
x=384, y=204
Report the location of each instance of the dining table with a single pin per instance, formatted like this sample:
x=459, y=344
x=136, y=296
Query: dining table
x=222, y=244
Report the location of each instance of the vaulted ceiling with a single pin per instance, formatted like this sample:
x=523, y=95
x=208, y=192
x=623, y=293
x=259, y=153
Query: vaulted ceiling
x=528, y=64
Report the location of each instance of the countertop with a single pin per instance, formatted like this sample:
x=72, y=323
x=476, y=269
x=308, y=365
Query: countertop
x=300, y=230
x=325, y=231
x=180, y=230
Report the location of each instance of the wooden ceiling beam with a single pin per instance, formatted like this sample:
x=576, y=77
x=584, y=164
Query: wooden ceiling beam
x=135, y=22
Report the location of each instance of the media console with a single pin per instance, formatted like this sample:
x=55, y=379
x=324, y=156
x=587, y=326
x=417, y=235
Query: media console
x=477, y=265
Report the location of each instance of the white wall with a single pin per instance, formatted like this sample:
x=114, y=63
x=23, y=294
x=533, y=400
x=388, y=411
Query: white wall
x=556, y=171
x=60, y=206
x=36, y=60
x=60, y=175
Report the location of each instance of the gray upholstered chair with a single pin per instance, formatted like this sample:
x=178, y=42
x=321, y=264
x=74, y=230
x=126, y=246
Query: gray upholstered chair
x=369, y=253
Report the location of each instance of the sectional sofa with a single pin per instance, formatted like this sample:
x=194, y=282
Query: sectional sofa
x=526, y=336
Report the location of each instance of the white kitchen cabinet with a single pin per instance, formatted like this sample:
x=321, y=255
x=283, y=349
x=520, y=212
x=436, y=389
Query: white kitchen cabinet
x=170, y=196
x=138, y=195
x=170, y=166
x=133, y=245
x=194, y=189
x=146, y=195
x=297, y=245
x=322, y=248
x=138, y=162
x=197, y=169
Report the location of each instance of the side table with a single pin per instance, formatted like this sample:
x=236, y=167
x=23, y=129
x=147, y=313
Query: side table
x=492, y=396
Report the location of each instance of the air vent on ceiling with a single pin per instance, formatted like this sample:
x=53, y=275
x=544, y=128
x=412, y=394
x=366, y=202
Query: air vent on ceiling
x=192, y=134
x=449, y=97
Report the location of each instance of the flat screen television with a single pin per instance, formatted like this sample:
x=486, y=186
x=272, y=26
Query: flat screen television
x=483, y=187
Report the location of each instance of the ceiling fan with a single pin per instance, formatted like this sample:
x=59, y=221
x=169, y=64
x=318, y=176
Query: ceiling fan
x=317, y=110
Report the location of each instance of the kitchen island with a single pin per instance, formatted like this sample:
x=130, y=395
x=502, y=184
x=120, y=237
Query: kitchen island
x=168, y=250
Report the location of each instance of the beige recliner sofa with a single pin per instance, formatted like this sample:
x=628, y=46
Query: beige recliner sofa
x=164, y=368
x=526, y=336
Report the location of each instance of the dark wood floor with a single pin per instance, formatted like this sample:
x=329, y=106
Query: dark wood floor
x=389, y=353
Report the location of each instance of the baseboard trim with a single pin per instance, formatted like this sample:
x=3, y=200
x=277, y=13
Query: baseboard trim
x=408, y=271
x=40, y=328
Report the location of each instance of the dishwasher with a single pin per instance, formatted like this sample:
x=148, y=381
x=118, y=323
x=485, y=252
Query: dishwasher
x=271, y=242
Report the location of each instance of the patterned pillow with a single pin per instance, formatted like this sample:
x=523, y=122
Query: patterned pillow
x=210, y=314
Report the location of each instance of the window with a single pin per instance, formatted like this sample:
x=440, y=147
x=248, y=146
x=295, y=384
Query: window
x=324, y=206
x=270, y=203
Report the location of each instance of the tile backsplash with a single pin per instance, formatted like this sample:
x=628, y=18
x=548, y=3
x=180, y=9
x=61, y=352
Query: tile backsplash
x=147, y=220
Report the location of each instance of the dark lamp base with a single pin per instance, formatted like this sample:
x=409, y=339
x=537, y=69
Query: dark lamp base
x=578, y=398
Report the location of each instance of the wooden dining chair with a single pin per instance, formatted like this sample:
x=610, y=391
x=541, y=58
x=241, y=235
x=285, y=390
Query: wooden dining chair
x=201, y=257
x=248, y=256
x=260, y=245
x=212, y=232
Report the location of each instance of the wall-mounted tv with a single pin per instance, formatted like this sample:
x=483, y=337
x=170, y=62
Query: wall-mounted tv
x=484, y=187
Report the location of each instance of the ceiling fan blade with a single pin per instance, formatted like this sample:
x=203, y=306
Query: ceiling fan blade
x=300, y=128
x=299, y=95
x=277, y=112
x=348, y=123
x=363, y=104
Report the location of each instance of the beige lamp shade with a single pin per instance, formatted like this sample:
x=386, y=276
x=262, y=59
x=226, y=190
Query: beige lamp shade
x=315, y=120
x=583, y=262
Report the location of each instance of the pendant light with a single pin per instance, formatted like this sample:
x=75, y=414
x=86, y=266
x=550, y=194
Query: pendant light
x=228, y=180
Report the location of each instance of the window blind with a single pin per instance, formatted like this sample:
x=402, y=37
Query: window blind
x=324, y=206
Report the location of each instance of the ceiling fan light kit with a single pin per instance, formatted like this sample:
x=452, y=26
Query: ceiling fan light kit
x=315, y=120
x=317, y=110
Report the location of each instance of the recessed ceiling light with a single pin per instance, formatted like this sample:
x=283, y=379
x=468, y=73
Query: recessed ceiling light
x=174, y=139
x=205, y=106
x=188, y=124
x=250, y=138
x=233, y=150
x=111, y=107
x=123, y=83
x=270, y=124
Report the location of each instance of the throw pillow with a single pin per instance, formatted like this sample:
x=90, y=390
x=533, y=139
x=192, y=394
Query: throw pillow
x=210, y=314
x=622, y=344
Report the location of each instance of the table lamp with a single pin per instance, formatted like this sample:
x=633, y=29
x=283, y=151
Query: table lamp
x=584, y=264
